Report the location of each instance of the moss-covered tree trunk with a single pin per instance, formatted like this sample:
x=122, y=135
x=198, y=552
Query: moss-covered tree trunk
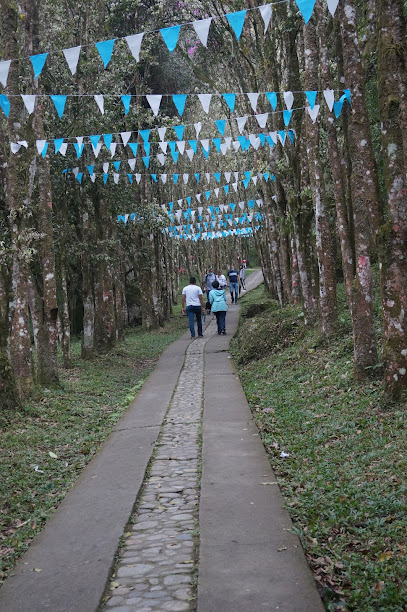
x=393, y=236
x=8, y=391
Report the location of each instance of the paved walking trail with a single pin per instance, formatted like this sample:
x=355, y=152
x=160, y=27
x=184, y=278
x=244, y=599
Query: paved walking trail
x=189, y=427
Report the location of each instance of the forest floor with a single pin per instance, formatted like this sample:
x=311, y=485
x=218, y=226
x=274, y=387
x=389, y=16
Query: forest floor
x=345, y=480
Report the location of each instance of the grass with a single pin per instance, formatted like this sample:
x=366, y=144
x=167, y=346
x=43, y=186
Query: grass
x=45, y=445
x=345, y=479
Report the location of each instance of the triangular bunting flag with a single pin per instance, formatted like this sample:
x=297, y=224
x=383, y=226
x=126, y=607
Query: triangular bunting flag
x=266, y=12
x=107, y=138
x=179, y=130
x=100, y=102
x=272, y=98
x=59, y=103
x=306, y=7
x=179, y=102
x=332, y=6
x=230, y=98
x=134, y=43
x=313, y=112
x=4, y=70
x=125, y=137
x=38, y=62
x=161, y=132
x=221, y=123
x=145, y=134
x=163, y=146
x=146, y=160
x=63, y=148
x=262, y=119
x=181, y=146
x=287, y=116
x=40, y=145
x=72, y=56
x=193, y=145
x=132, y=163
x=205, y=100
x=133, y=146
x=170, y=36
x=236, y=21
x=201, y=27
x=163, y=178
x=94, y=140
x=29, y=102
x=329, y=96
x=288, y=99
x=253, y=98
x=311, y=97
x=126, y=103
x=57, y=143
x=198, y=128
x=105, y=49
x=241, y=122
x=154, y=102
x=161, y=158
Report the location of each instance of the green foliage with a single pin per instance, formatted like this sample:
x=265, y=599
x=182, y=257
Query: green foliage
x=344, y=481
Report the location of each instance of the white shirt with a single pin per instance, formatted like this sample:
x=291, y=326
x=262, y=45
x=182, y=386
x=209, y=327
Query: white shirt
x=192, y=293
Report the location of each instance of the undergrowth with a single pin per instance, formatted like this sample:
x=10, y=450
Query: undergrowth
x=345, y=478
x=45, y=445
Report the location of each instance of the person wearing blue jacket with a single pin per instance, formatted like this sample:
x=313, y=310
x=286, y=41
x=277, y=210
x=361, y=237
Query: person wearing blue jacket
x=217, y=298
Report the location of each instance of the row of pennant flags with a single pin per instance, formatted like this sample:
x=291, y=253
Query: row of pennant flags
x=170, y=36
x=61, y=144
x=248, y=174
x=179, y=101
x=186, y=234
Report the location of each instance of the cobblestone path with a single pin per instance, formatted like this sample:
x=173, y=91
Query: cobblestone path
x=156, y=569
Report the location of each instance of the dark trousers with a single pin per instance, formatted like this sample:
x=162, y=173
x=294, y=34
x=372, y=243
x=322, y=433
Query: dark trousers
x=221, y=320
x=192, y=312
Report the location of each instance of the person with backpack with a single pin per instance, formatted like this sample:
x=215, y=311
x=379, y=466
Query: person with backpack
x=217, y=298
x=233, y=282
x=210, y=277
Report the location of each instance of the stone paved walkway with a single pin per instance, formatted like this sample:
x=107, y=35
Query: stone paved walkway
x=156, y=569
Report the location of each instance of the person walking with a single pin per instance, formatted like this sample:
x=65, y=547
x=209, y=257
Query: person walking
x=221, y=279
x=217, y=298
x=233, y=282
x=193, y=305
x=242, y=276
x=210, y=277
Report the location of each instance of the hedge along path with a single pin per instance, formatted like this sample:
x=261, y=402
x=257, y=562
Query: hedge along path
x=157, y=564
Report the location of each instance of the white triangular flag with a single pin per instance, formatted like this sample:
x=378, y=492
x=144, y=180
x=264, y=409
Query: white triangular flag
x=208, y=177
x=227, y=176
x=163, y=146
x=224, y=148
x=134, y=43
x=241, y=205
x=180, y=202
x=253, y=97
x=93, y=177
x=125, y=137
x=273, y=136
x=234, y=185
x=63, y=148
x=198, y=127
x=105, y=167
x=79, y=140
x=138, y=178
x=112, y=149
x=205, y=100
x=288, y=99
x=75, y=171
x=100, y=102
x=201, y=27
x=236, y=145
x=198, y=197
x=161, y=132
x=266, y=12
x=190, y=154
x=132, y=163
x=4, y=68
x=200, y=209
x=216, y=190
x=259, y=202
x=96, y=150
x=29, y=102
x=154, y=102
x=313, y=113
x=254, y=179
x=161, y=158
x=116, y=177
x=181, y=146
x=329, y=96
x=185, y=177
x=205, y=144
x=163, y=178
x=332, y=6
x=72, y=57
x=15, y=147
x=262, y=119
x=228, y=141
x=241, y=122
x=40, y=146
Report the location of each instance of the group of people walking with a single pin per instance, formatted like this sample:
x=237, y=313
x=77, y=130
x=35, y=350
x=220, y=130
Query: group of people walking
x=214, y=285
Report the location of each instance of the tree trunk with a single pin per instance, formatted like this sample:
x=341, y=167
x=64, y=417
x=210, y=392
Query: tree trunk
x=8, y=390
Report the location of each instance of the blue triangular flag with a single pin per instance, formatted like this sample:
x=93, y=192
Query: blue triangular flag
x=262, y=138
x=179, y=130
x=245, y=182
x=206, y=152
x=170, y=36
x=105, y=177
x=94, y=140
x=216, y=142
x=175, y=156
x=197, y=176
x=5, y=104
x=146, y=160
x=90, y=169
x=287, y=116
x=59, y=103
x=226, y=188
x=266, y=176
x=207, y=193
x=105, y=49
x=133, y=146
x=147, y=146
x=291, y=135
x=78, y=149
x=130, y=178
x=247, y=174
x=242, y=140
x=251, y=203
x=79, y=177
x=217, y=176
x=338, y=106
x=311, y=97
x=193, y=145
x=270, y=141
x=44, y=151
x=116, y=164
x=175, y=179
x=232, y=206
x=154, y=177
x=145, y=134
x=179, y=101
x=230, y=101
x=189, y=200
x=38, y=62
x=58, y=142
x=236, y=21
x=172, y=146
x=347, y=95
x=126, y=103
x=283, y=135
x=272, y=98
x=221, y=126
x=306, y=7
x=107, y=140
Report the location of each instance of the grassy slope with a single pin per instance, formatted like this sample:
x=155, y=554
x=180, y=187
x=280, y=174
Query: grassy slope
x=71, y=422
x=345, y=480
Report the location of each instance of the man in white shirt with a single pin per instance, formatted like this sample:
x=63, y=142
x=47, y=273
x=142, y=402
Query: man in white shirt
x=193, y=305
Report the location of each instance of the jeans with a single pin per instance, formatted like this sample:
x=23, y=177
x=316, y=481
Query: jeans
x=191, y=312
x=221, y=320
x=234, y=288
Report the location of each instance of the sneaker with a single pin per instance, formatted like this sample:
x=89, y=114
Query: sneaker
x=192, y=337
x=224, y=332
x=200, y=335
